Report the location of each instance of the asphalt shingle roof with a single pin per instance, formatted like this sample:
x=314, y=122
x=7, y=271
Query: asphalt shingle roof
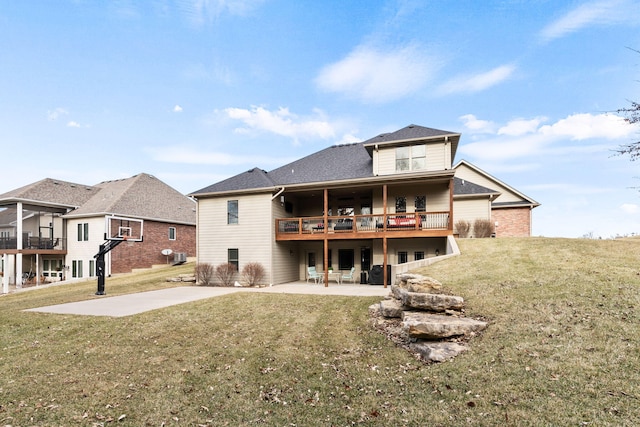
x=51, y=192
x=141, y=196
x=408, y=133
x=463, y=187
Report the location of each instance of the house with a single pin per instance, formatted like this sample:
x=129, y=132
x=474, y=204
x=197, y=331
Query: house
x=375, y=205
x=50, y=230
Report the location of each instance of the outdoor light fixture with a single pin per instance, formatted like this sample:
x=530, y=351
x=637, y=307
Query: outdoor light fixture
x=437, y=252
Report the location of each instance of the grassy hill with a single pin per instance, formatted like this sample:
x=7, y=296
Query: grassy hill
x=561, y=349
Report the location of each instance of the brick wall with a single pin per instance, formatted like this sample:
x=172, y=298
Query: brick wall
x=512, y=222
x=127, y=256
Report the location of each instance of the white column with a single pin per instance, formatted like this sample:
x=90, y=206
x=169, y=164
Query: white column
x=19, y=245
x=5, y=274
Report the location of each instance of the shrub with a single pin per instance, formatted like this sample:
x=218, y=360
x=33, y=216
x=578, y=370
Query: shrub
x=482, y=228
x=253, y=273
x=463, y=228
x=225, y=273
x=204, y=273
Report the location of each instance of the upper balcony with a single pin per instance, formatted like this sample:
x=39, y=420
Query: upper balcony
x=404, y=225
x=42, y=245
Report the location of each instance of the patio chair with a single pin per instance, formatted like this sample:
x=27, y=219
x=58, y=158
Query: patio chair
x=313, y=274
x=349, y=276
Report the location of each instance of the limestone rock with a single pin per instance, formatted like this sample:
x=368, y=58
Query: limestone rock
x=429, y=302
x=418, y=283
x=437, y=351
x=390, y=308
x=434, y=326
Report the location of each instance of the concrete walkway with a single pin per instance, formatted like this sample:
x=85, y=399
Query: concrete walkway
x=127, y=305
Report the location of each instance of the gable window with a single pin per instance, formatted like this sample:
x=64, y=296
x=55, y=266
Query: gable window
x=232, y=211
x=232, y=258
x=411, y=158
x=83, y=232
x=172, y=233
x=401, y=204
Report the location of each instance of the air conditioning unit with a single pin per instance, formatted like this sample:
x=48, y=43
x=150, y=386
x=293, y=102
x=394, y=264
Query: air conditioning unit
x=180, y=257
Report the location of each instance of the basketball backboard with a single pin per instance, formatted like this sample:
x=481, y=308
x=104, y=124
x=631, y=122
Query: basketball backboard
x=122, y=228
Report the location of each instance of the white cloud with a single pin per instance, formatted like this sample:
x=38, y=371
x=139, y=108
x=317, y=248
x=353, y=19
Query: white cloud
x=177, y=109
x=476, y=125
x=526, y=138
x=73, y=124
x=200, y=12
x=630, y=208
x=594, y=13
x=521, y=126
x=378, y=76
x=57, y=113
x=282, y=122
x=477, y=82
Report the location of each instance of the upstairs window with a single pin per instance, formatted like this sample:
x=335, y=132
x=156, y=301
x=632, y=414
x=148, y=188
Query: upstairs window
x=411, y=158
x=83, y=232
x=232, y=212
x=172, y=233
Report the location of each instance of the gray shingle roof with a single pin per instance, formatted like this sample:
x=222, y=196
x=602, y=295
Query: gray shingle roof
x=463, y=187
x=141, y=196
x=51, y=192
x=409, y=133
x=336, y=163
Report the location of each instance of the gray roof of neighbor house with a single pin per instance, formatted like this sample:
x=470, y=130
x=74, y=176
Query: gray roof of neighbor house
x=336, y=163
x=49, y=192
x=140, y=196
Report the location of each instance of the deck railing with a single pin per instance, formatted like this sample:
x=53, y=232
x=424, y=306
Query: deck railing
x=365, y=223
x=57, y=243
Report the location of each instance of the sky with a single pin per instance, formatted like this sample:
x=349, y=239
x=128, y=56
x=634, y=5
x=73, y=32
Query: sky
x=196, y=91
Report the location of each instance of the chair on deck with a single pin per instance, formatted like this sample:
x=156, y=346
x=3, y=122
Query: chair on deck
x=349, y=276
x=313, y=274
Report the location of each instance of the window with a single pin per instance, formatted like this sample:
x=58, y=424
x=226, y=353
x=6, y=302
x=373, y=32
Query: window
x=83, y=232
x=92, y=268
x=76, y=268
x=421, y=203
x=401, y=204
x=232, y=212
x=232, y=258
x=417, y=256
x=403, y=257
x=411, y=158
x=345, y=259
x=172, y=233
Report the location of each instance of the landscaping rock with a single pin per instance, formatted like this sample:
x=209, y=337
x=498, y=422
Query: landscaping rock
x=391, y=308
x=429, y=302
x=434, y=326
x=437, y=351
x=418, y=283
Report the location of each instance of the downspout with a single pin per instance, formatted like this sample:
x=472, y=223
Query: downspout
x=278, y=193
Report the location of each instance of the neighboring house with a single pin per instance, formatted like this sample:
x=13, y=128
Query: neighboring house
x=479, y=195
x=371, y=205
x=62, y=225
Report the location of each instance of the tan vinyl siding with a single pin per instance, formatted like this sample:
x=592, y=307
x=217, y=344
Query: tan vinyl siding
x=470, y=210
x=386, y=161
x=85, y=250
x=284, y=254
x=252, y=235
x=437, y=159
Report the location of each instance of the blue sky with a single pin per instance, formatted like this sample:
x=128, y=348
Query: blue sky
x=195, y=91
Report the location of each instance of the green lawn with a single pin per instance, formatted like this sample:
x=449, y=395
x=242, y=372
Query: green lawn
x=561, y=349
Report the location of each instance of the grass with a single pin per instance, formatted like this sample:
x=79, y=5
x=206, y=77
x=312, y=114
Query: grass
x=561, y=349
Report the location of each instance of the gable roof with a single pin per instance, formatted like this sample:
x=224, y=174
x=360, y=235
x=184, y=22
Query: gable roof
x=524, y=200
x=52, y=193
x=140, y=196
x=336, y=163
x=414, y=133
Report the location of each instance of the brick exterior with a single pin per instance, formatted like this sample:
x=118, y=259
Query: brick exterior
x=127, y=256
x=512, y=222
